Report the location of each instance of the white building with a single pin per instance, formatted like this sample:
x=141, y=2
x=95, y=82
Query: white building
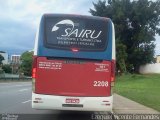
x=15, y=59
x=150, y=68
x=158, y=58
x=5, y=55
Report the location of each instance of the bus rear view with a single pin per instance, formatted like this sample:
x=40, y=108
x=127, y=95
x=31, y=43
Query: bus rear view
x=74, y=63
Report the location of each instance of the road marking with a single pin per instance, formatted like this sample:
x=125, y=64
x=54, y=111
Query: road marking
x=23, y=90
x=26, y=101
x=5, y=85
x=20, y=85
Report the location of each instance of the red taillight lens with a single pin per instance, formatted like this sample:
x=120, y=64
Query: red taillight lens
x=34, y=73
x=34, y=66
x=112, y=79
x=113, y=70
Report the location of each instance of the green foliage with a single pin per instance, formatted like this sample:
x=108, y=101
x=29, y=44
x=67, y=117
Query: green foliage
x=7, y=68
x=136, y=23
x=1, y=59
x=26, y=65
x=122, y=55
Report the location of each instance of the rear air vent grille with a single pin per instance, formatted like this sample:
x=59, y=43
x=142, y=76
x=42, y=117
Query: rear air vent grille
x=72, y=105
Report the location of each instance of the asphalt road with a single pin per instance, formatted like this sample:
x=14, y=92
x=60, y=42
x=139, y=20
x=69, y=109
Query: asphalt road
x=15, y=103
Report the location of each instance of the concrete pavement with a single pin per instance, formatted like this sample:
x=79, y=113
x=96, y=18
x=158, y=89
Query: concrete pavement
x=122, y=105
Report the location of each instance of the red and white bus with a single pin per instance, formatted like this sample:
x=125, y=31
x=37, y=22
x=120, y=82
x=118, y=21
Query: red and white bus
x=74, y=63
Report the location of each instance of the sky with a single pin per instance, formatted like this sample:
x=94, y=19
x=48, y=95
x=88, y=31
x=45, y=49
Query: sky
x=19, y=20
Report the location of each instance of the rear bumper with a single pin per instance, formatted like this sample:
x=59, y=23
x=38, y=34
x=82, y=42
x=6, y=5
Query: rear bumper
x=40, y=101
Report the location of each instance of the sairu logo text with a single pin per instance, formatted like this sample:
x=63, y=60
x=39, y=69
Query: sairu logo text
x=71, y=31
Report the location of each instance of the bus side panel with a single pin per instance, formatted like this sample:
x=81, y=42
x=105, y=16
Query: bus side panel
x=73, y=78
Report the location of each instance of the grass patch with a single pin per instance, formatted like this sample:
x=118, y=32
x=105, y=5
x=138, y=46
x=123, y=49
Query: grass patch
x=144, y=89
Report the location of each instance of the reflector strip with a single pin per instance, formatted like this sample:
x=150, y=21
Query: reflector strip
x=107, y=104
x=35, y=101
x=105, y=101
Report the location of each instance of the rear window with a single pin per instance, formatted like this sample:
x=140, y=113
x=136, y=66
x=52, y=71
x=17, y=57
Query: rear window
x=80, y=33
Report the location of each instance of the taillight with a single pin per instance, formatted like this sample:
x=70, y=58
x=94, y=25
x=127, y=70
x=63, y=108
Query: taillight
x=113, y=70
x=34, y=71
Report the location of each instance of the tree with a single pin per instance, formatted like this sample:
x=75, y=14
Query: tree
x=136, y=23
x=121, y=58
x=7, y=68
x=1, y=59
x=26, y=63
